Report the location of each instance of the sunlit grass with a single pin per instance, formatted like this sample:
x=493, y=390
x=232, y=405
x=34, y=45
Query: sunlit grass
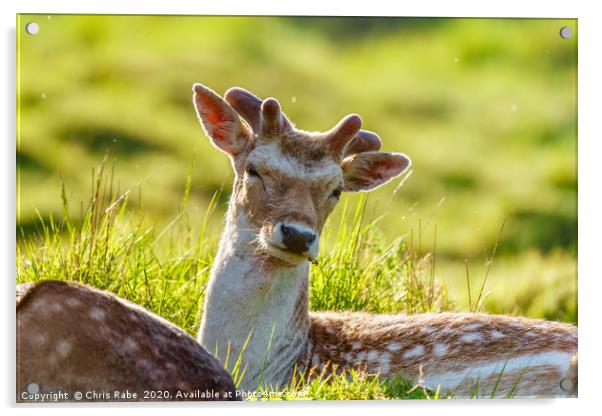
x=104, y=244
x=488, y=119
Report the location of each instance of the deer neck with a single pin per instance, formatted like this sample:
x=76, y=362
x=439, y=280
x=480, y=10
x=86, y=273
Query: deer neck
x=254, y=309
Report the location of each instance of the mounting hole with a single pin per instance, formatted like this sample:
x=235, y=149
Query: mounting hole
x=567, y=384
x=33, y=388
x=566, y=32
x=32, y=28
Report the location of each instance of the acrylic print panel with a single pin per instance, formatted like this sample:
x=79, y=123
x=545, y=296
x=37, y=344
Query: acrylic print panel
x=412, y=182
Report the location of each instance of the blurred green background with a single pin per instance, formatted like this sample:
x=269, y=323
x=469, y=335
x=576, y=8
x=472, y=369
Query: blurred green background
x=486, y=108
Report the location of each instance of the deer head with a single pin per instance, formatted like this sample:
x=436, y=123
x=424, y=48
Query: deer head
x=287, y=181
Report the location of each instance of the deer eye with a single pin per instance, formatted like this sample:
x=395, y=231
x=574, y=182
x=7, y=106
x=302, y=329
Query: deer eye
x=336, y=194
x=252, y=172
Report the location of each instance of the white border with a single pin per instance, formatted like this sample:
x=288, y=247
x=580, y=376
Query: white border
x=507, y=8
x=590, y=207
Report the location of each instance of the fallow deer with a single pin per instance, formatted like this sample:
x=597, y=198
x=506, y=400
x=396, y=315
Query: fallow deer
x=89, y=345
x=287, y=182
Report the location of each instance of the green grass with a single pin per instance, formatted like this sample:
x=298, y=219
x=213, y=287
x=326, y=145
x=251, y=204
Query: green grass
x=488, y=118
x=111, y=247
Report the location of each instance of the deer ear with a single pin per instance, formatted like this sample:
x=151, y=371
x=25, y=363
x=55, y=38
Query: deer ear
x=220, y=121
x=368, y=170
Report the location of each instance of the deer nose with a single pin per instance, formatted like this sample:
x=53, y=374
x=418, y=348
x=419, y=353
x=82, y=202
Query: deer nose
x=295, y=239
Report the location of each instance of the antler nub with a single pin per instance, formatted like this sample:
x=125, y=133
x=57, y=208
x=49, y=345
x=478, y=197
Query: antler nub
x=364, y=141
x=341, y=134
x=265, y=117
x=245, y=104
x=273, y=123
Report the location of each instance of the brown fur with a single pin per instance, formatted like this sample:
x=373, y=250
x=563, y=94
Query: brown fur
x=279, y=196
x=74, y=338
x=304, y=147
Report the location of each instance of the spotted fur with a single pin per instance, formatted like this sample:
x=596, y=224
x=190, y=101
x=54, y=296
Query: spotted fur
x=454, y=350
x=74, y=338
